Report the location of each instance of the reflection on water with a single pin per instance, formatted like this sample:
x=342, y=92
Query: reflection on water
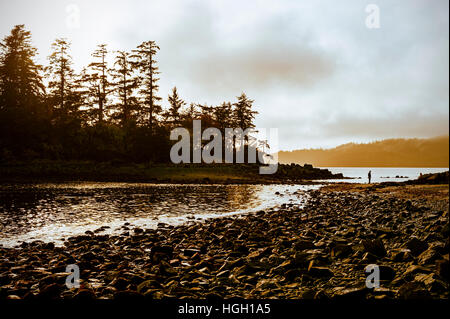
x=50, y=212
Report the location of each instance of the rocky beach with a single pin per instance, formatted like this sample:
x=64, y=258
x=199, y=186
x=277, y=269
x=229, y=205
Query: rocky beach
x=316, y=252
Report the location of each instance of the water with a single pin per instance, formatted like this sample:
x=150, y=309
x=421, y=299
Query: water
x=51, y=212
x=382, y=174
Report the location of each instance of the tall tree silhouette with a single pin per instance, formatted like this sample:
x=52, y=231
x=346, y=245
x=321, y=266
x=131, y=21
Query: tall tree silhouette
x=243, y=118
x=125, y=83
x=223, y=114
x=144, y=61
x=100, y=84
x=243, y=113
x=176, y=103
x=20, y=77
x=23, y=115
x=63, y=94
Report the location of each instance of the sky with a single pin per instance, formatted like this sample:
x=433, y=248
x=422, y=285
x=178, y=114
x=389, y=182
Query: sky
x=314, y=69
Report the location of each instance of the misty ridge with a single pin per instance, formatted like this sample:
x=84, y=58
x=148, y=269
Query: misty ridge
x=398, y=152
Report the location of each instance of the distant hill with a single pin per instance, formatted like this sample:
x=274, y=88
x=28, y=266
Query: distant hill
x=432, y=152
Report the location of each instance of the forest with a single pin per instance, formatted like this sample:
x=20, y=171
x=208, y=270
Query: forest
x=102, y=113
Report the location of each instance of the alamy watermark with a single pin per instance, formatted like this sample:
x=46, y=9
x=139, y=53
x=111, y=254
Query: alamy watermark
x=73, y=280
x=373, y=18
x=236, y=141
x=373, y=279
x=73, y=16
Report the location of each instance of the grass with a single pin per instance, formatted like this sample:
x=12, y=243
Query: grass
x=107, y=171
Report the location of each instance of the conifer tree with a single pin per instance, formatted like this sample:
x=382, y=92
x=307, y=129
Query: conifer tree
x=125, y=83
x=144, y=61
x=176, y=103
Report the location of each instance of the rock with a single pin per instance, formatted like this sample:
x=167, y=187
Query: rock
x=144, y=286
x=89, y=256
x=416, y=246
x=431, y=282
x=292, y=274
x=443, y=268
x=387, y=273
x=375, y=247
x=300, y=259
x=368, y=258
x=308, y=294
x=428, y=256
x=161, y=252
x=265, y=284
x=49, y=246
x=51, y=291
x=341, y=250
x=320, y=272
x=350, y=293
x=190, y=252
x=412, y=270
x=84, y=295
x=301, y=244
x=413, y=290
x=401, y=255
x=119, y=283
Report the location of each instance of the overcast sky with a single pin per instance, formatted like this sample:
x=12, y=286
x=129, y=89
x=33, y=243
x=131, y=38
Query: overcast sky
x=314, y=69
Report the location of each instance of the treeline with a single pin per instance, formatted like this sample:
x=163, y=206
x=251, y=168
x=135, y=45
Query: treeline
x=103, y=113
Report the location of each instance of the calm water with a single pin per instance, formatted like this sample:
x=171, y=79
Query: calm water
x=382, y=174
x=50, y=212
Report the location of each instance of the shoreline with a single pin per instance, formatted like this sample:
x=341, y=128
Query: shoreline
x=316, y=252
x=65, y=171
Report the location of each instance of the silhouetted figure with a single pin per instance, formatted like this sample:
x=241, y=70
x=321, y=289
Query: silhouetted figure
x=369, y=176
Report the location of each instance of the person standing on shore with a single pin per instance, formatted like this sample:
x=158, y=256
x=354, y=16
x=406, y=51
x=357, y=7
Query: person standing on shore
x=369, y=176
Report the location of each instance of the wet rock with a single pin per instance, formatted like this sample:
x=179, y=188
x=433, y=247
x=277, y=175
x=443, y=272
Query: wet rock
x=416, y=246
x=428, y=256
x=350, y=293
x=147, y=285
x=442, y=268
x=431, y=282
x=413, y=290
x=160, y=252
x=119, y=283
x=387, y=273
x=191, y=252
x=369, y=258
x=401, y=255
x=320, y=272
x=49, y=246
x=292, y=274
x=301, y=245
x=84, y=295
x=412, y=270
x=51, y=291
x=308, y=294
x=375, y=247
x=341, y=250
